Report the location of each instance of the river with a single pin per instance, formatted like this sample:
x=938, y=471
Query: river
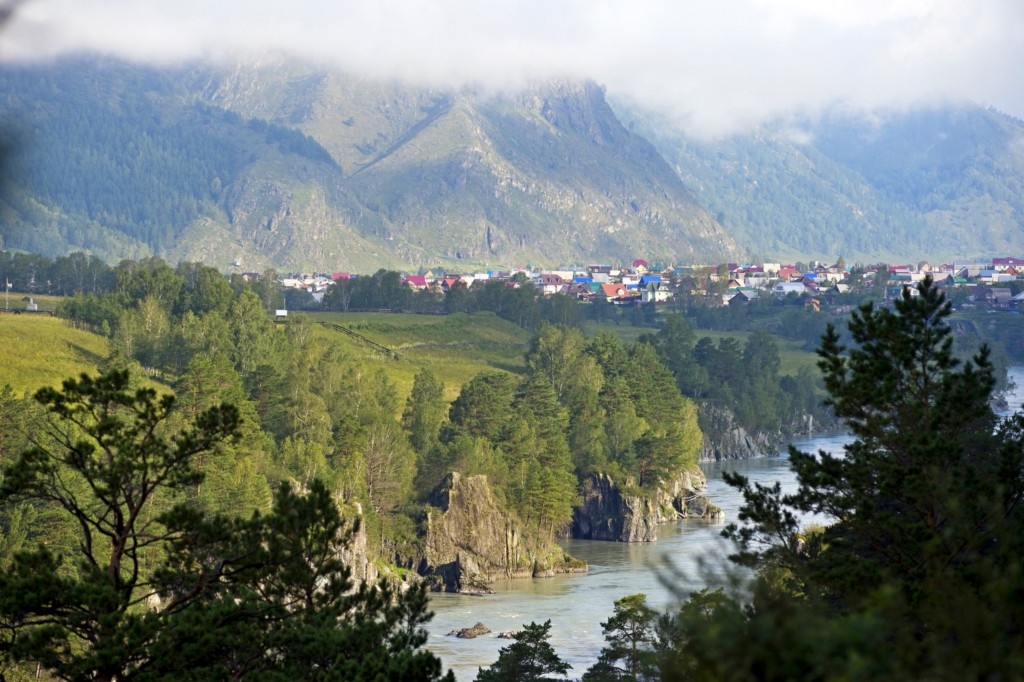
x=688, y=555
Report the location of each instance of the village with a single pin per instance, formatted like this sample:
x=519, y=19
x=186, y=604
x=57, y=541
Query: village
x=996, y=284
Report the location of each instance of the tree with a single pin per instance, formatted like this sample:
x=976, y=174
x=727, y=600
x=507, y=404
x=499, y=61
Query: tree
x=919, y=571
x=630, y=636
x=251, y=329
x=530, y=657
x=106, y=467
x=424, y=412
x=483, y=406
x=159, y=587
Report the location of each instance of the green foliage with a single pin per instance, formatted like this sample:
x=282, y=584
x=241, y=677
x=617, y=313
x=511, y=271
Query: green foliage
x=918, y=572
x=743, y=379
x=122, y=160
x=630, y=635
x=159, y=587
x=424, y=412
x=530, y=657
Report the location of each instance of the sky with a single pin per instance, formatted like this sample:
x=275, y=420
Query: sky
x=711, y=67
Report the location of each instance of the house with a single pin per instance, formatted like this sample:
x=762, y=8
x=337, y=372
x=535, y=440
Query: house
x=787, y=273
x=656, y=292
x=783, y=289
x=999, y=296
x=612, y=292
x=448, y=282
x=550, y=283
x=1002, y=264
x=740, y=297
x=417, y=282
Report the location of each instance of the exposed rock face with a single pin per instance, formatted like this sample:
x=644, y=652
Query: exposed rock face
x=471, y=633
x=725, y=439
x=607, y=512
x=472, y=541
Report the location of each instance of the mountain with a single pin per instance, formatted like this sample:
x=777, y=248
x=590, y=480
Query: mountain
x=288, y=165
x=941, y=182
x=291, y=165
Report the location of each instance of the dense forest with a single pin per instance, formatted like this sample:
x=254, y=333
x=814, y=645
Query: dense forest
x=309, y=416
x=898, y=183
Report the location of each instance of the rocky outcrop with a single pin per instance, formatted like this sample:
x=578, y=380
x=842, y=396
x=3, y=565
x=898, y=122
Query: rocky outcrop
x=471, y=633
x=610, y=511
x=472, y=541
x=725, y=439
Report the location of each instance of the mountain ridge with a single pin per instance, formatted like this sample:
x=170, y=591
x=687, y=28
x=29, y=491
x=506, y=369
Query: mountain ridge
x=286, y=164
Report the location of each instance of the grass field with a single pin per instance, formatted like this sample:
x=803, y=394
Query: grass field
x=40, y=350
x=455, y=347
x=17, y=301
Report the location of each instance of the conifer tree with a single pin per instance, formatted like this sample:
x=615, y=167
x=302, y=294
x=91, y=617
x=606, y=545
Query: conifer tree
x=918, y=572
x=158, y=588
x=630, y=635
x=530, y=657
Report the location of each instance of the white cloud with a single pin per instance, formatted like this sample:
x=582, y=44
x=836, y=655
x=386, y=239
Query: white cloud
x=714, y=66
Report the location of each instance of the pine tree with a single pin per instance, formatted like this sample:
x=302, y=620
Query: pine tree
x=630, y=635
x=530, y=657
x=425, y=411
x=918, y=574
x=159, y=587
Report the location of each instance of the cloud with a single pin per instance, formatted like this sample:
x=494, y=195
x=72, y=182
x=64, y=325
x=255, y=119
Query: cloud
x=713, y=67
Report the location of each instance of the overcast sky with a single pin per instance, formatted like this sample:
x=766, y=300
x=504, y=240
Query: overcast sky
x=712, y=65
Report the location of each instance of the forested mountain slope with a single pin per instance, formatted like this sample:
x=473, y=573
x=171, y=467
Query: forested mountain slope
x=934, y=183
x=290, y=166
x=287, y=164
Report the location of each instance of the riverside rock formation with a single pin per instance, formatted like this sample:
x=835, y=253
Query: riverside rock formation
x=472, y=541
x=608, y=512
x=725, y=439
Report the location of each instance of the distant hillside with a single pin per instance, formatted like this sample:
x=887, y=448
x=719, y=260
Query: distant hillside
x=938, y=183
x=293, y=167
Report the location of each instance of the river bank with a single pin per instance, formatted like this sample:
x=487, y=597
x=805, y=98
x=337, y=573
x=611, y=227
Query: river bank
x=691, y=554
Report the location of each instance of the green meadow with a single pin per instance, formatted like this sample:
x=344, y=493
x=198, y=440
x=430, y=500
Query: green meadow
x=455, y=347
x=39, y=350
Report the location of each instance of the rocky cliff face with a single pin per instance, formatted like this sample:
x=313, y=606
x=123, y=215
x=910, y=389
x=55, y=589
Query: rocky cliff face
x=725, y=439
x=608, y=512
x=472, y=541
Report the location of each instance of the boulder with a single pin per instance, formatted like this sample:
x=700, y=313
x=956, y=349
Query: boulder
x=470, y=633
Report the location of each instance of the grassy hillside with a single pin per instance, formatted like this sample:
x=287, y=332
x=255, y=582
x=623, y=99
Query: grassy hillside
x=455, y=347
x=43, y=351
